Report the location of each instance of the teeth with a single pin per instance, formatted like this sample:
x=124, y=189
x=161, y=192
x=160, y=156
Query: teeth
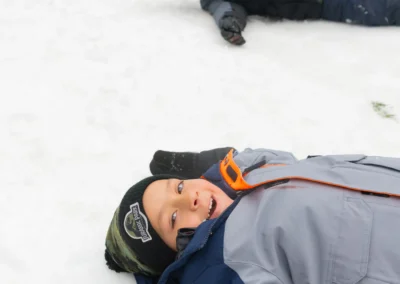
x=209, y=208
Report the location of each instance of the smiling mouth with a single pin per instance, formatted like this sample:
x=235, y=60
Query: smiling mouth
x=211, y=209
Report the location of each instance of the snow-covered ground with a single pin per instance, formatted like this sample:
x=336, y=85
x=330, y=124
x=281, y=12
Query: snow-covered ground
x=89, y=89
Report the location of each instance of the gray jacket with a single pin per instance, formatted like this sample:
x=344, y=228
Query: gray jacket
x=321, y=220
x=322, y=226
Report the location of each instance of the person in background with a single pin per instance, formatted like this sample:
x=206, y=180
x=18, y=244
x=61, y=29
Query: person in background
x=231, y=16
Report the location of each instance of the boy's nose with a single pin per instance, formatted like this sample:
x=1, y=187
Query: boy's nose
x=194, y=204
x=190, y=201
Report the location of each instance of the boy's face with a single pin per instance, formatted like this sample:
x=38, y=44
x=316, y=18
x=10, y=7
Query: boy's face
x=174, y=204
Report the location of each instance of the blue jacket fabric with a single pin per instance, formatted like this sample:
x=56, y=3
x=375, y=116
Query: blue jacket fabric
x=324, y=219
x=363, y=12
x=359, y=12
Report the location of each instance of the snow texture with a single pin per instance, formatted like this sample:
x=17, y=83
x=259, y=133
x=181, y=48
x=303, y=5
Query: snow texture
x=90, y=89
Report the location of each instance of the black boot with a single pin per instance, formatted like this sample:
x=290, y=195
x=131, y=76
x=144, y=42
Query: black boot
x=186, y=164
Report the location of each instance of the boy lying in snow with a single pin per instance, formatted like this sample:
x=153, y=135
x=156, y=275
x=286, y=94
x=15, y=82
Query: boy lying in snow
x=230, y=16
x=261, y=216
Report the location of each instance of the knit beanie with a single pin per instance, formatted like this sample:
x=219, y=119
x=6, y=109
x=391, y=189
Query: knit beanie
x=132, y=244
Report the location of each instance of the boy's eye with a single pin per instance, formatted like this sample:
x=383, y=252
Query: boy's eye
x=173, y=218
x=180, y=187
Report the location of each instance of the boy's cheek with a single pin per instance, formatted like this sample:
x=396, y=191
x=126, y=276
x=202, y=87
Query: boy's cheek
x=192, y=222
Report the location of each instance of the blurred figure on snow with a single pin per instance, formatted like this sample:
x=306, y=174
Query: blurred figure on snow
x=231, y=15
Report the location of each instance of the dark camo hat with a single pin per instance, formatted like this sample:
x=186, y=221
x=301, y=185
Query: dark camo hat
x=131, y=242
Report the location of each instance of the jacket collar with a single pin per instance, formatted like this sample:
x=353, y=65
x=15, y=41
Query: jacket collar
x=191, y=240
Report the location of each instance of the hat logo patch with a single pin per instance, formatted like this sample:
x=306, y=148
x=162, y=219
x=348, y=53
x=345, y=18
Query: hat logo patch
x=136, y=224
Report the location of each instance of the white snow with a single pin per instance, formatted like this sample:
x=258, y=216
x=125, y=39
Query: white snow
x=90, y=89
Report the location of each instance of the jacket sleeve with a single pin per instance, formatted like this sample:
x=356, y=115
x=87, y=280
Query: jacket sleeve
x=220, y=9
x=252, y=157
x=237, y=273
x=141, y=279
